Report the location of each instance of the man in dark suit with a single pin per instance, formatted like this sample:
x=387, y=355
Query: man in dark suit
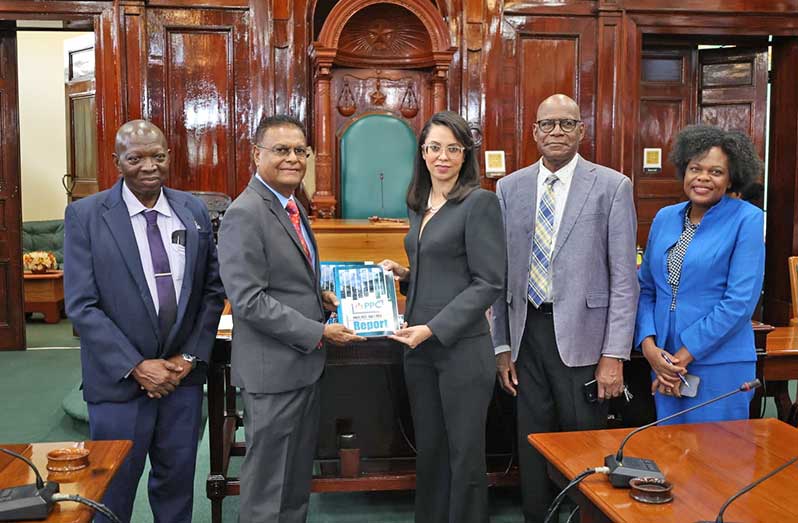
x=270, y=269
x=568, y=314
x=142, y=288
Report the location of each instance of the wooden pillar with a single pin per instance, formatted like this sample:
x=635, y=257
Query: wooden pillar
x=782, y=198
x=609, y=86
x=323, y=203
x=439, y=79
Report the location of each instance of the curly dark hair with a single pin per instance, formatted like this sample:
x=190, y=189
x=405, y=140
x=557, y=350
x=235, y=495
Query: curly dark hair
x=467, y=181
x=694, y=141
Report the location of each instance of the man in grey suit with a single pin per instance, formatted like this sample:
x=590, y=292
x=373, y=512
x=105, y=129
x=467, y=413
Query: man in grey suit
x=568, y=313
x=270, y=270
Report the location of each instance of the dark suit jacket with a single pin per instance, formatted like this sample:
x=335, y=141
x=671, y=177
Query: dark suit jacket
x=277, y=311
x=110, y=305
x=456, y=267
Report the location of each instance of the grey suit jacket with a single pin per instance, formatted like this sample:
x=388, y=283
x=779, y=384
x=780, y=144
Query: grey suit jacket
x=594, y=276
x=277, y=310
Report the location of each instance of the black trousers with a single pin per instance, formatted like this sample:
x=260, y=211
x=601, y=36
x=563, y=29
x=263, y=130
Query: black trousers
x=550, y=399
x=449, y=390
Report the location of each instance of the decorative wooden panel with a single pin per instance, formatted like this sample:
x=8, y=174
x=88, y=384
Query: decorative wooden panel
x=12, y=324
x=667, y=103
x=198, y=73
x=82, y=137
x=540, y=56
x=733, y=91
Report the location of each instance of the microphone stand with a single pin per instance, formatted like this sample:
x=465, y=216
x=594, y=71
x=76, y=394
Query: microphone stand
x=623, y=470
x=748, y=488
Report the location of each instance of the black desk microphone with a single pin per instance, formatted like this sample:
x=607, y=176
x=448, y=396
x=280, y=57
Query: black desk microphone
x=747, y=488
x=28, y=501
x=622, y=470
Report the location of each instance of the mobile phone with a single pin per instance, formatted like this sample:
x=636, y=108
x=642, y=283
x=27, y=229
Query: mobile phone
x=591, y=391
x=692, y=390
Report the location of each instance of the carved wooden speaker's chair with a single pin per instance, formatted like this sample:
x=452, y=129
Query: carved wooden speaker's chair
x=377, y=153
x=217, y=203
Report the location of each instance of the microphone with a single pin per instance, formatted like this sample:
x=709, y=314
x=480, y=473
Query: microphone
x=28, y=501
x=623, y=470
x=747, y=488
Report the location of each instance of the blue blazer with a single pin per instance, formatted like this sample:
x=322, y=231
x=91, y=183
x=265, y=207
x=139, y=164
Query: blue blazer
x=720, y=284
x=109, y=303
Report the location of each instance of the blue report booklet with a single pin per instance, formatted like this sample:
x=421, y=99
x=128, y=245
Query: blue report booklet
x=366, y=296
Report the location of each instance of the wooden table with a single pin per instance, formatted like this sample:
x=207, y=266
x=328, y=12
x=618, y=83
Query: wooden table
x=706, y=463
x=781, y=364
x=91, y=482
x=45, y=293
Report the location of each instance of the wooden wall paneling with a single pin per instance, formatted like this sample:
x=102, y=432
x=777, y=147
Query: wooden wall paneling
x=261, y=66
x=134, y=44
x=609, y=89
x=782, y=197
x=12, y=320
x=553, y=55
x=667, y=102
x=733, y=86
x=712, y=6
x=198, y=78
x=110, y=91
x=291, y=37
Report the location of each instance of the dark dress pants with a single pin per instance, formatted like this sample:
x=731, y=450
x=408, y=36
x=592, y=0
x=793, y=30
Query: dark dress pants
x=167, y=430
x=281, y=431
x=550, y=399
x=450, y=389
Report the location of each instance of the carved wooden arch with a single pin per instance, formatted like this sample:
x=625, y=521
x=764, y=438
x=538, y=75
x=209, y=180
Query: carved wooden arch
x=423, y=9
x=323, y=53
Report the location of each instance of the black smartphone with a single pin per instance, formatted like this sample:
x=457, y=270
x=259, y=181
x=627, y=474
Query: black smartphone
x=591, y=391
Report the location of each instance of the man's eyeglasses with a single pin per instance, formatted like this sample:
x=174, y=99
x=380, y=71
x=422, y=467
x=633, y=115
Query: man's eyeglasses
x=452, y=151
x=566, y=125
x=283, y=152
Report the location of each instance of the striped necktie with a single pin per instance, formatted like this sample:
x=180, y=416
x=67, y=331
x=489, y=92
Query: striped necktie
x=539, y=280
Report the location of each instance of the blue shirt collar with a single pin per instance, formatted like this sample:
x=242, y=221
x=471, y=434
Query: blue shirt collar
x=282, y=199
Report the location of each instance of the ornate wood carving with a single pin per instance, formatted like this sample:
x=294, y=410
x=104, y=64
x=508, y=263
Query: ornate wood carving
x=384, y=33
x=365, y=35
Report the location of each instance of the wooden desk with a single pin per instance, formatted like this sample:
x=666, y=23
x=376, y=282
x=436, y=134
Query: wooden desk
x=706, y=463
x=91, y=482
x=45, y=293
x=781, y=364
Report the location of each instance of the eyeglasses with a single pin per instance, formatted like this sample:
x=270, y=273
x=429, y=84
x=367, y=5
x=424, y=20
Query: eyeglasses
x=453, y=151
x=283, y=152
x=566, y=125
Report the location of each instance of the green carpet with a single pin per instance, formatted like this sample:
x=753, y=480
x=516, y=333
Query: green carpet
x=36, y=382
x=41, y=334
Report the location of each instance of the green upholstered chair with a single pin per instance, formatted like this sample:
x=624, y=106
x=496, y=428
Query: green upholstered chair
x=377, y=153
x=44, y=235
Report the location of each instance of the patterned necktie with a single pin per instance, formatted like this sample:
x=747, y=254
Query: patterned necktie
x=539, y=279
x=293, y=215
x=167, y=302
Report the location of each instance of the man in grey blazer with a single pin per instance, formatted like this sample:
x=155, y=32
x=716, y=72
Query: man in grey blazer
x=568, y=313
x=270, y=270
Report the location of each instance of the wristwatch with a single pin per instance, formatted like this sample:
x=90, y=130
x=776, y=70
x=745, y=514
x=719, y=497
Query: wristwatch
x=191, y=359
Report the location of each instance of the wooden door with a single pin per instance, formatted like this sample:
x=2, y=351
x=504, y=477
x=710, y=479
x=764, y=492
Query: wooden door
x=81, y=117
x=733, y=86
x=12, y=321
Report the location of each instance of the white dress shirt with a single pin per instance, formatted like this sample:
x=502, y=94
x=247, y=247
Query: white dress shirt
x=168, y=222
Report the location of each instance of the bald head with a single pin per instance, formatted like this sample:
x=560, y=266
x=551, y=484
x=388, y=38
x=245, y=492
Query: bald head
x=142, y=158
x=559, y=103
x=139, y=131
x=558, y=130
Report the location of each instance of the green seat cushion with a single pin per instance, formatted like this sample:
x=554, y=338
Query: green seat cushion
x=44, y=235
x=377, y=154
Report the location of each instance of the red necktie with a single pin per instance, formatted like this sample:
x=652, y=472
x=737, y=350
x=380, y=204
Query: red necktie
x=293, y=215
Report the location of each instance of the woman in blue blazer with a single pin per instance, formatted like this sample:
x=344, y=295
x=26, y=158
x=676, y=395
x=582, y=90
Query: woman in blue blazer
x=701, y=278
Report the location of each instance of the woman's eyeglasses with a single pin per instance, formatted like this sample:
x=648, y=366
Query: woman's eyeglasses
x=452, y=151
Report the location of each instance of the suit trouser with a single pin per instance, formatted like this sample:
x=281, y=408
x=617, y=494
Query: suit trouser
x=449, y=390
x=281, y=431
x=550, y=399
x=167, y=430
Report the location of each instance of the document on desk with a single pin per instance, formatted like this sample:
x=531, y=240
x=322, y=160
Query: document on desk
x=367, y=298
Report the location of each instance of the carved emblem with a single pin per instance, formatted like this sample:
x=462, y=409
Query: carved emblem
x=377, y=96
x=391, y=31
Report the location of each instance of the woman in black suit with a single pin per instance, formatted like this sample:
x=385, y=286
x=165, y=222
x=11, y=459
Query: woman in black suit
x=457, y=257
